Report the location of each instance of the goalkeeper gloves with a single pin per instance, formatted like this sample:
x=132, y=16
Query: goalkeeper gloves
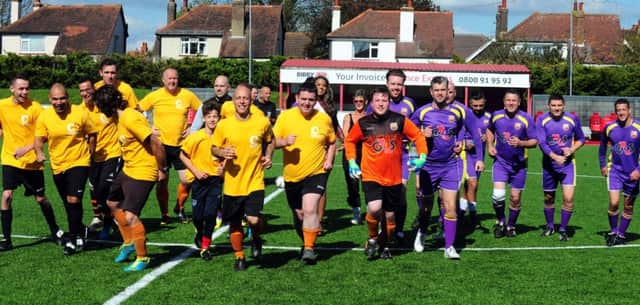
x=417, y=164
x=354, y=169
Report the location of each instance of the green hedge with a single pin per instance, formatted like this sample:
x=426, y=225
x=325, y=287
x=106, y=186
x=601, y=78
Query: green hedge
x=140, y=72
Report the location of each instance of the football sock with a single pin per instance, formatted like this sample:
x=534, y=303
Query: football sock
x=372, y=226
x=163, y=200
x=625, y=220
x=6, y=217
x=120, y=218
x=74, y=213
x=256, y=229
x=423, y=220
x=498, y=206
x=183, y=194
x=391, y=226
x=613, y=221
x=310, y=236
x=565, y=216
x=139, y=239
x=513, y=217
x=236, y=236
x=450, y=226
x=548, y=215
x=206, y=242
x=49, y=216
x=401, y=216
x=209, y=224
x=473, y=211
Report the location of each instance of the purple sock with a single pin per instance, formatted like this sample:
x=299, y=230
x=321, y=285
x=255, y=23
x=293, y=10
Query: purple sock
x=564, y=219
x=548, y=215
x=624, y=222
x=613, y=222
x=498, y=206
x=513, y=217
x=449, y=232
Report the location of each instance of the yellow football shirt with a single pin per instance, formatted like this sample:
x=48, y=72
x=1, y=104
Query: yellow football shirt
x=198, y=147
x=68, y=146
x=133, y=130
x=306, y=156
x=124, y=89
x=228, y=110
x=18, y=122
x=244, y=174
x=170, y=112
x=107, y=145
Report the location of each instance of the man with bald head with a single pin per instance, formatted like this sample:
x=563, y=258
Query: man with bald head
x=221, y=95
x=65, y=127
x=170, y=105
x=246, y=155
x=18, y=115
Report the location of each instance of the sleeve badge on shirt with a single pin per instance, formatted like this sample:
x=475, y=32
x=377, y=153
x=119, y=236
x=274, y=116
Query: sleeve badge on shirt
x=393, y=126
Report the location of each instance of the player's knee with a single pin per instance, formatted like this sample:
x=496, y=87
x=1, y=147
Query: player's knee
x=499, y=195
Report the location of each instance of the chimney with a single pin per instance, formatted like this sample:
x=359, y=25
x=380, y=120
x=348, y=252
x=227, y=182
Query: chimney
x=406, y=22
x=36, y=5
x=237, y=18
x=144, y=48
x=578, y=24
x=185, y=7
x=335, y=16
x=15, y=10
x=502, y=20
x=171, y=11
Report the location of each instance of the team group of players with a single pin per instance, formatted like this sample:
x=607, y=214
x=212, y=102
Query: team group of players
x=222, y=156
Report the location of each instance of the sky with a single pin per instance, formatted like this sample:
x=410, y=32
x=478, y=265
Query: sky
x=469, y=16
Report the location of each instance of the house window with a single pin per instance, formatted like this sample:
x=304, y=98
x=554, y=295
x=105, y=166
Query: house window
x=32, y=44
x=192, y=46
x=365, y=49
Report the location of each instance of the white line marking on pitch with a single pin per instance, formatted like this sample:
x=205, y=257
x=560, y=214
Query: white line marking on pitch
x=164, y=268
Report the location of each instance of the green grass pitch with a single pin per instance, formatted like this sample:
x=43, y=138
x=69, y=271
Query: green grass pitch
x=527, y=269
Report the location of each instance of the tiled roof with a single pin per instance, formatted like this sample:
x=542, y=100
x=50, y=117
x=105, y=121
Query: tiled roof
x=215, y=20
x=466, y=44
x=81, y=27
x=602, y=33
x=433, y=37
x=351, y=64
x=295, y=44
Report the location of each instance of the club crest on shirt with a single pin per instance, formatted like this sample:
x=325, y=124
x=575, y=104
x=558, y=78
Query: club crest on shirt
x=486, y=122
x=393, y=126
x=315, y=132
x=451, y=119
x=179, y=104
x=634, y=134
x=565, y=127
x=517, y=126
x=404, y=111
x=72, y=129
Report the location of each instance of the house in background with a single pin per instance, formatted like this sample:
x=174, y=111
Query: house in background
x=401, y=35
x=466, y=46
x=62, y=29
x=221, y=31
x=595, y=36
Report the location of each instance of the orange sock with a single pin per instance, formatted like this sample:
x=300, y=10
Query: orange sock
x=236, y=237
x=310, y=236
x=391, y=226
x=139, y=238
x=183, y=194
x=118, y=215
x=372, y=226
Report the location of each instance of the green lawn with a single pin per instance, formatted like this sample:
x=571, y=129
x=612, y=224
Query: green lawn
x=527, y=269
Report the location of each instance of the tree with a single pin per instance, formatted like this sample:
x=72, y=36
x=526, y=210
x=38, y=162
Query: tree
x=5, y=10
